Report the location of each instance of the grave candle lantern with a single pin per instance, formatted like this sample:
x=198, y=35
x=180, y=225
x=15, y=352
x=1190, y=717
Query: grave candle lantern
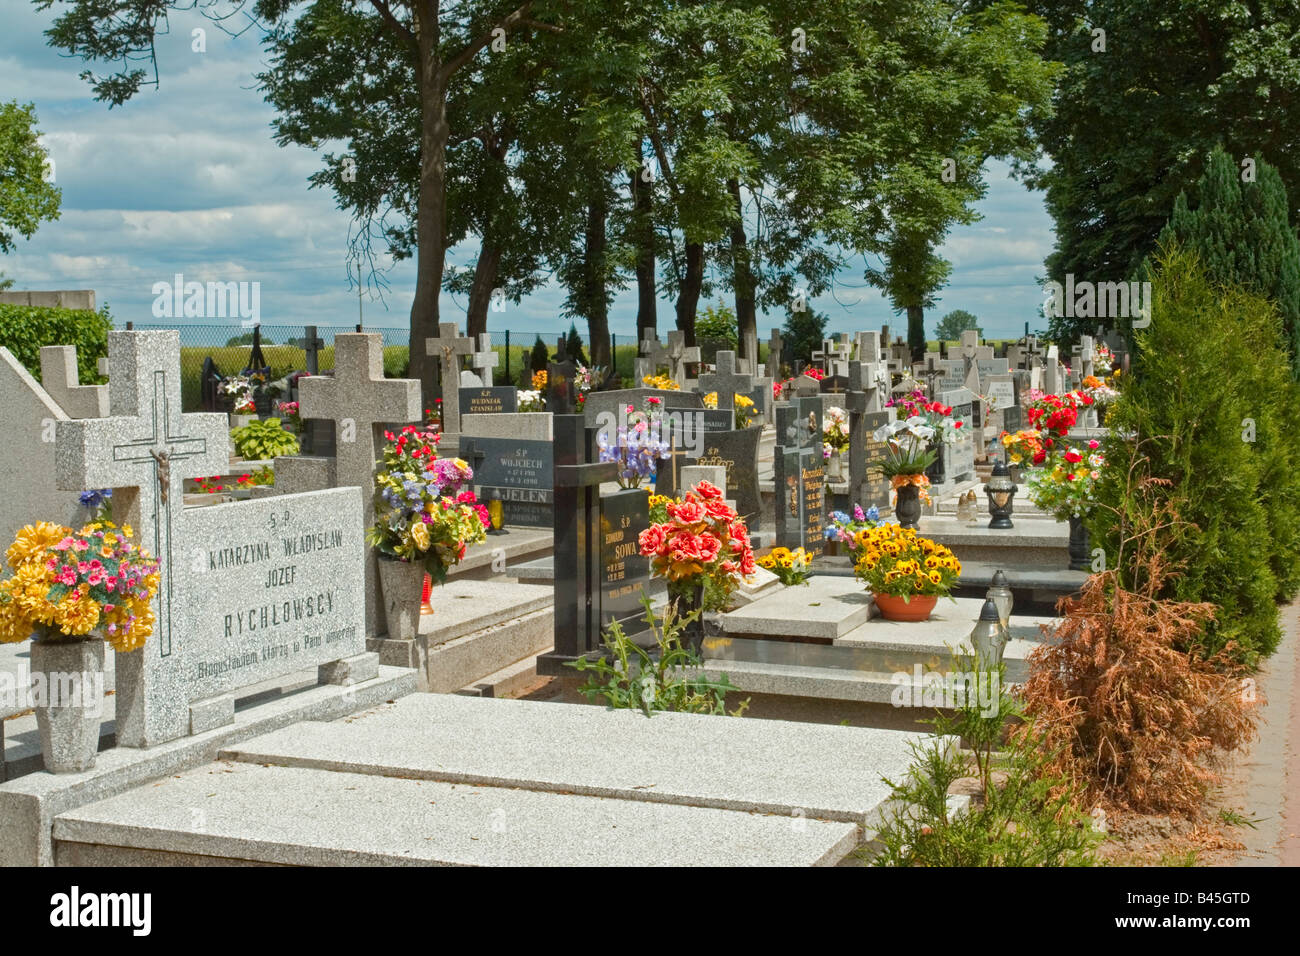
x=989, y=638
x=1000, y=594
x=1001, y=491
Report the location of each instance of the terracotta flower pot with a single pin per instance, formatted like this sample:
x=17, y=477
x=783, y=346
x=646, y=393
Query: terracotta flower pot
x=893, y=608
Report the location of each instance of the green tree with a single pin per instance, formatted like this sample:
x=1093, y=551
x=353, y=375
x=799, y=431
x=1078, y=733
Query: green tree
x=1242, y=235
x=435, y=40
x=803, y=334
x=952, y=325
x=1132, y=124
x=26, y=197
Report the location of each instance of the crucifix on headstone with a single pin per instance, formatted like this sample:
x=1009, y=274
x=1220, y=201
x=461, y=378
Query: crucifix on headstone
x=726, y=381
x=679, y=356
x=358, y=399
x=144, y=450
x=448, y=347
x=652, y=358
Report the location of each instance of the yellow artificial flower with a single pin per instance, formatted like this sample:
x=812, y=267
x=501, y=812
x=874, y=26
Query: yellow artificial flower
x=420, y=535
x=33, y=540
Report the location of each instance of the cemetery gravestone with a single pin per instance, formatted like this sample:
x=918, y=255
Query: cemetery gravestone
x=774, y=345
x=518, y=473
x=625, y=575
x=59, y=378
x=800, y=477
x=490, y=401
x=360, y=402
x=447, y=347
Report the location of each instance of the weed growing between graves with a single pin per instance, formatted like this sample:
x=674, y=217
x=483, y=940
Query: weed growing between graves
x=670, y=676
x=1019, y=814
x=1134, y=712
x=262, y=440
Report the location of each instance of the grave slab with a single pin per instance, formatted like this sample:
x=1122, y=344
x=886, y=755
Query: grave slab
x=300, y=817
x=820, y=611
x=697, y=760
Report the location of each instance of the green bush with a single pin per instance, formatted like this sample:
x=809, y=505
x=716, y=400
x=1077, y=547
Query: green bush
x=1210, y=404
x=715, y=331
x=802, y=335
x=264, y=439
x=25, y=329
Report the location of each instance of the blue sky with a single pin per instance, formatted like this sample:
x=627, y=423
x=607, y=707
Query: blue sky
x=186, y=178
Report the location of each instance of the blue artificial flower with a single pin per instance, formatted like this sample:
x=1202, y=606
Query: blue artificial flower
x=95, y=497
x=873, y=513
x=839, y=517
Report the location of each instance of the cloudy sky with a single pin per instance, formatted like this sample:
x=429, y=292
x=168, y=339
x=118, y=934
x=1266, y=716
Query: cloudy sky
x=186, y=178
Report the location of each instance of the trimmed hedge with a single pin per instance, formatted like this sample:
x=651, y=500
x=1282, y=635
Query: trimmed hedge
x=1211, y=368
x=25, y=329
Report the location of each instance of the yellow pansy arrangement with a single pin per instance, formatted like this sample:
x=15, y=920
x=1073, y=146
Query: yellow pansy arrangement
x=897, y=561
x=791, y=567
x=67, y=584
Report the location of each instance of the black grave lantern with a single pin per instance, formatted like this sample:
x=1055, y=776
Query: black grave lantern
x=1001, y=491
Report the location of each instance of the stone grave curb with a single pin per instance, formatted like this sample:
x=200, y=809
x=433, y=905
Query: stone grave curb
x=29, y=804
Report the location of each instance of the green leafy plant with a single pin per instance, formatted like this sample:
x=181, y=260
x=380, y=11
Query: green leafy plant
x=1019, y=815
x=24, y=329
x=671, y=678
x=263, y=439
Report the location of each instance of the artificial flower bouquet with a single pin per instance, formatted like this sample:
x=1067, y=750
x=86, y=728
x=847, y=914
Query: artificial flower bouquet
x=791, y=567
x=238, y=391
x=742, y=408
x=1024, y=447
x=661, y=381
x=1066, y=486
x=66, y=584
x=638, y=444
x=423, y=513
x=701, y=541
x=539, y=380
x=1055, y=415
x=896, y=561
x=908, y=448
x=531, y=400
x=936, y=415
x=845, y=530
x=835, y=431
x=292, y=413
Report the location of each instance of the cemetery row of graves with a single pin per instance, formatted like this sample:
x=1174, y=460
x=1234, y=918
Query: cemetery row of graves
x=1035, y=544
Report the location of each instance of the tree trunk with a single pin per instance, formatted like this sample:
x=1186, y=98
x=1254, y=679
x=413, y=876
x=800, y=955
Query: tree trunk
x=480, y=293
x=647, y=304
x=594, y=283
x=688, y=297
x=746, y=313
x=431, y=219
x=916, y=331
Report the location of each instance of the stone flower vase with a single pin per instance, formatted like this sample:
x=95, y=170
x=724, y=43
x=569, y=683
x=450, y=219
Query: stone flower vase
x=402, y=584
x=936, y=471
x=68, y=691
x=1080, y=553
x=835, y=470
x=908, y=507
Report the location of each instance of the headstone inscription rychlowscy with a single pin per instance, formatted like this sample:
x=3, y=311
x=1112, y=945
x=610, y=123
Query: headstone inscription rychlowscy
x=216, y=628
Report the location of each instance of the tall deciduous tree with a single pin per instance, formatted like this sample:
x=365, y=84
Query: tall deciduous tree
x=27, y=197
x=1149, y=88
x=952, y=325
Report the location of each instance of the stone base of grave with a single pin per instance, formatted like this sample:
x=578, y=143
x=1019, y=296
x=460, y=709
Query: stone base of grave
x=819, y=612
x=476, y=629
x=447, y=779
x=29, y=804
x=497, y=557
x=1032, y=541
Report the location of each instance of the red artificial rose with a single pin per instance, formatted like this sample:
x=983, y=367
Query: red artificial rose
x=1073, y=457
x=684, y=546
x=707, y=546
x=718, y=509
x=1039, y=457
x=687, y=512
x=652, y=540
x=707, y=491
x=747, y=566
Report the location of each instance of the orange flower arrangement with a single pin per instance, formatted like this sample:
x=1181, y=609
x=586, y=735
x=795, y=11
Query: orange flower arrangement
x=921, y=481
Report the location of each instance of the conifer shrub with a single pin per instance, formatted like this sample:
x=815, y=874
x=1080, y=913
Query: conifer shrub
x=1209, y=406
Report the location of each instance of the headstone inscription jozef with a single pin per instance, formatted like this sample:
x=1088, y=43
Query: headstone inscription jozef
x=249, y=591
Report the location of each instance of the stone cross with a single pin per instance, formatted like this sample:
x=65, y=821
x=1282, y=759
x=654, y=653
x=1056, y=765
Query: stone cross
x=59, y=377
x=726, y=381
x=484, y=360
x=679, y=356
x=144, y=450
x=358, y=399
x=774, y=355
x=1087, y=352
x=311, y=346
x=449, y=346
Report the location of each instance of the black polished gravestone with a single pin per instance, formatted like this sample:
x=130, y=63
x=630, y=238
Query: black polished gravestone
x=800, y=476
x=868, y=484
x=518, y=473
x=624, y=574
x=737, y=451
x=488, y=400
